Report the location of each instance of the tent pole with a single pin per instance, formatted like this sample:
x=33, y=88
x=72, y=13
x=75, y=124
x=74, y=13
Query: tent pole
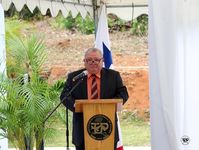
x=95, y=14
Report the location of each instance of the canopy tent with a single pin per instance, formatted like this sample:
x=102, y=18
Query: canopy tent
x=125, y=9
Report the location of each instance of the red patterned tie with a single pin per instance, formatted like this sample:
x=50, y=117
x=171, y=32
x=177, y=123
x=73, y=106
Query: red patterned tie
x=94, y=92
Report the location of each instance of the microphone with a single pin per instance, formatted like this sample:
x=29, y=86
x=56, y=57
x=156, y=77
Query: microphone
x=81, y=75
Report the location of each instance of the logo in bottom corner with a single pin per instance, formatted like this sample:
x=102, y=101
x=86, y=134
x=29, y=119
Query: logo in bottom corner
x=185, y=140
x=99, y=127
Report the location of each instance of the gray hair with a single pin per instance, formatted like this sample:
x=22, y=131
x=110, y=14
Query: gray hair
x=93, y=49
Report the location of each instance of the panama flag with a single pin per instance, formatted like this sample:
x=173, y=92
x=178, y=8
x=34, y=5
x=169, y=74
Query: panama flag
x=102, y=42
x=102, y=38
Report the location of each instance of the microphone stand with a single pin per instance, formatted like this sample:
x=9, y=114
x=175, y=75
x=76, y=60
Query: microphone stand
x=50, y=114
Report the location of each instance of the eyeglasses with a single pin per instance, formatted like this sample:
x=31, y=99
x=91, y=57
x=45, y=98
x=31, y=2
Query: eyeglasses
x=92, y=60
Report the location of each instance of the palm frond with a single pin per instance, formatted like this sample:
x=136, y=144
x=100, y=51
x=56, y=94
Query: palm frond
x=24, y=105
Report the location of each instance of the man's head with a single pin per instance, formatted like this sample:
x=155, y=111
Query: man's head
x=93, y=60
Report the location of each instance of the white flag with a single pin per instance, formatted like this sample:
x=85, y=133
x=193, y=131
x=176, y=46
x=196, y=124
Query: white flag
x=102, y=42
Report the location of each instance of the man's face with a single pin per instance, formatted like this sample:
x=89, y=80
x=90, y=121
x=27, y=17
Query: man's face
x=93, y=62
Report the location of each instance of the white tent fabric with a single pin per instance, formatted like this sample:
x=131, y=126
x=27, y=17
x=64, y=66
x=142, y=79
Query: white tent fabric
x=53, y=6
x=174, y=74
x=128, y=13
x=84, y=7
x=3, y=141
x=2, y=43
x=129, y=9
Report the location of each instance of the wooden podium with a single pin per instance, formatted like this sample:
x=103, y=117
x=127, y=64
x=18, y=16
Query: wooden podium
x=99, y=122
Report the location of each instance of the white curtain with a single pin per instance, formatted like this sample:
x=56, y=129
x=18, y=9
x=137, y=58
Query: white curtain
x=3, y=141
x=2, y=43
x=174, y=74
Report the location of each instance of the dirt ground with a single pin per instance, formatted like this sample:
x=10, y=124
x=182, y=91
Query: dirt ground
x=65, y=51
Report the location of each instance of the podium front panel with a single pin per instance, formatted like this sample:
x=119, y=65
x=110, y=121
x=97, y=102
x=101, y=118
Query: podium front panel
x=99, y=126
x=99, y=122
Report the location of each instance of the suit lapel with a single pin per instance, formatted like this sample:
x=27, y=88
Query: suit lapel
x=102, y=83
x=84, y=88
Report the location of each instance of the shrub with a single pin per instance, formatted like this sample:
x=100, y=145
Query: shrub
x=140, y=25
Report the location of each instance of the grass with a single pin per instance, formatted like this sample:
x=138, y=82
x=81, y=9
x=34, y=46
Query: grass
x=135, y=133
x=135, y=130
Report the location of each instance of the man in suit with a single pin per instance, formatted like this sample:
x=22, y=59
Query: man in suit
x=108, y=86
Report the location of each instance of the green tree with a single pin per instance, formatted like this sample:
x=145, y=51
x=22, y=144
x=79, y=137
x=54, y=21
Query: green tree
x=24, y=104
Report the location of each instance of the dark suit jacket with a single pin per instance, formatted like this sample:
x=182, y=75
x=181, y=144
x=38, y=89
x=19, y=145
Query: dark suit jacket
x=111, y=87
